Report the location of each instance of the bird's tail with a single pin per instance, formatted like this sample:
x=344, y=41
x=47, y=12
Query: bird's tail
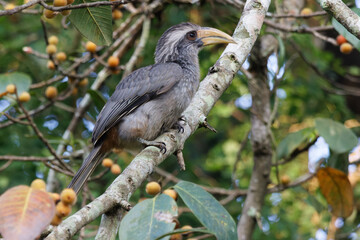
x=86, y=169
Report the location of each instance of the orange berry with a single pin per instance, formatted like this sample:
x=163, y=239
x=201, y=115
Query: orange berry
x=62, y=210
x=9, y=6
x=56, y=220
x=113, y=61
x=83, y=82
x=188, y=233
x=107, y=162
x=68, y=196
x=50, y=65
x=176, y=236
x=66, y=12
x=285, y=180
x=24, y=97
x=306, y=11
x=55, y=197
x=346, y=48
x=153, y=188
x=38, y=184
x=51, y=92
x=53, y=40
x=171, y=192
x=49, y=13
x=70, y=1
x=117, y=14
x=11, y=88
x=115, y=169
x=90, y=47
x=61, y=56
x=51, y=49
x=75, y=91
x=340, y=39
x=60, y=3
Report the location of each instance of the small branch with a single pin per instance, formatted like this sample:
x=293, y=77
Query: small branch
x=18, y=8
x=291, y=15
x=7, y=164
x=83, y=5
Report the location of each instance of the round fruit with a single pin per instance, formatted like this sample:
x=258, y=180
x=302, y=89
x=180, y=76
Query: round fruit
x=83, y=82
x=50, y=65
x=62, y=210
x=117, y=14
x=60, y=3
x=171, y=193
x=68, y=196
x=49, y=13
x=153, y=188
x=11, y=88
x=51, y=92
x=285, y=180
x=113, y=61
x=306, y=11
x=346, y=48
x=65, y=12
x=56, y=220
x=75, y=91
x=107, y=162
x=24, y=97
x=340, y=39
x=188, y=233
x=53, y=40
x=91, y=47
x=61, y=56
x=55, y=197
x=176, y=236
x=9, y=6
x=38, y=184
x=70, y=1
x=115, y=169
x=51, y=49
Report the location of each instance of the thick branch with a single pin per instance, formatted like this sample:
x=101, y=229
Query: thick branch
x=342, y=13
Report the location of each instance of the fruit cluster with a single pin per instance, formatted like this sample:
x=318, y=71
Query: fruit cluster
x=345, y=47
x=58, y=3
x=63, y=201
x=114, y=168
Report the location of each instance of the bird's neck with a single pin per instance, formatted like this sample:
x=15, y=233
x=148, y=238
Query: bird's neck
x=190, y=65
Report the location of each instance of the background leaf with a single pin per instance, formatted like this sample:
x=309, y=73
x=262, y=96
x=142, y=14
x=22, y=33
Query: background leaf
x=95, y=23
x=97, y=97
x=208, y=210
x=21, y=81
x=339, y=138
x=149, y=219
x=343, y=31
x=292, y=141
x=336, y=188
x=25, y=212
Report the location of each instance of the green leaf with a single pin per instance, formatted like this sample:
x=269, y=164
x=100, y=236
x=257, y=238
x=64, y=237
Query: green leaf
x=343, y=31
x=339, y=138
x=197, y=230
x=149, y=219
x=21, y=81
x=97, y=97
x=208, y=210
x=292, y=141
x=95, y=23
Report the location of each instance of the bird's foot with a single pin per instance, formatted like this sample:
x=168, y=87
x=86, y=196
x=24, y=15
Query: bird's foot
x=180, y=158
x=160, y=145
x=179, y=124
x=205, y=124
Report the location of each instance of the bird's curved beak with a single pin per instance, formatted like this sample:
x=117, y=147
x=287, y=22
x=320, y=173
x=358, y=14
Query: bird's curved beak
x=213, y=36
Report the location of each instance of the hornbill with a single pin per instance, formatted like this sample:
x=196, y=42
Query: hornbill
x=151, y=99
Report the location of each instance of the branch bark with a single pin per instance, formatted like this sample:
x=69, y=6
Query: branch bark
x=211, y=88
x=344, y=15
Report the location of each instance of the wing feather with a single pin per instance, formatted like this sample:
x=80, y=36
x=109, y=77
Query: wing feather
x=136, y=89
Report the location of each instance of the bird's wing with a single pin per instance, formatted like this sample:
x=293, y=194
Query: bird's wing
x=136, y=89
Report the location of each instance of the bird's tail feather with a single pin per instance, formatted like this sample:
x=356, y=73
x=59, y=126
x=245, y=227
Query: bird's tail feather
x=86, y=169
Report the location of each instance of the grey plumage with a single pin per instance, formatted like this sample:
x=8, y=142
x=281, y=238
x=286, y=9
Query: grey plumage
x=150, y=100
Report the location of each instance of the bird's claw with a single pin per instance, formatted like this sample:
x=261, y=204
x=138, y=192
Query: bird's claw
x=178, y=124
x=160, y=145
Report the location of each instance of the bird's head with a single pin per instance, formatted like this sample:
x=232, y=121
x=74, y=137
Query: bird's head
x=185, y=40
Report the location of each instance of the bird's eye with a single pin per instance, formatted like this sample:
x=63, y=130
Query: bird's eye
x=191, y=36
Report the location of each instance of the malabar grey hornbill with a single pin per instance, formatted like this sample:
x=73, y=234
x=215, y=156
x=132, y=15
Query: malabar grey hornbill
x=151, y=99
